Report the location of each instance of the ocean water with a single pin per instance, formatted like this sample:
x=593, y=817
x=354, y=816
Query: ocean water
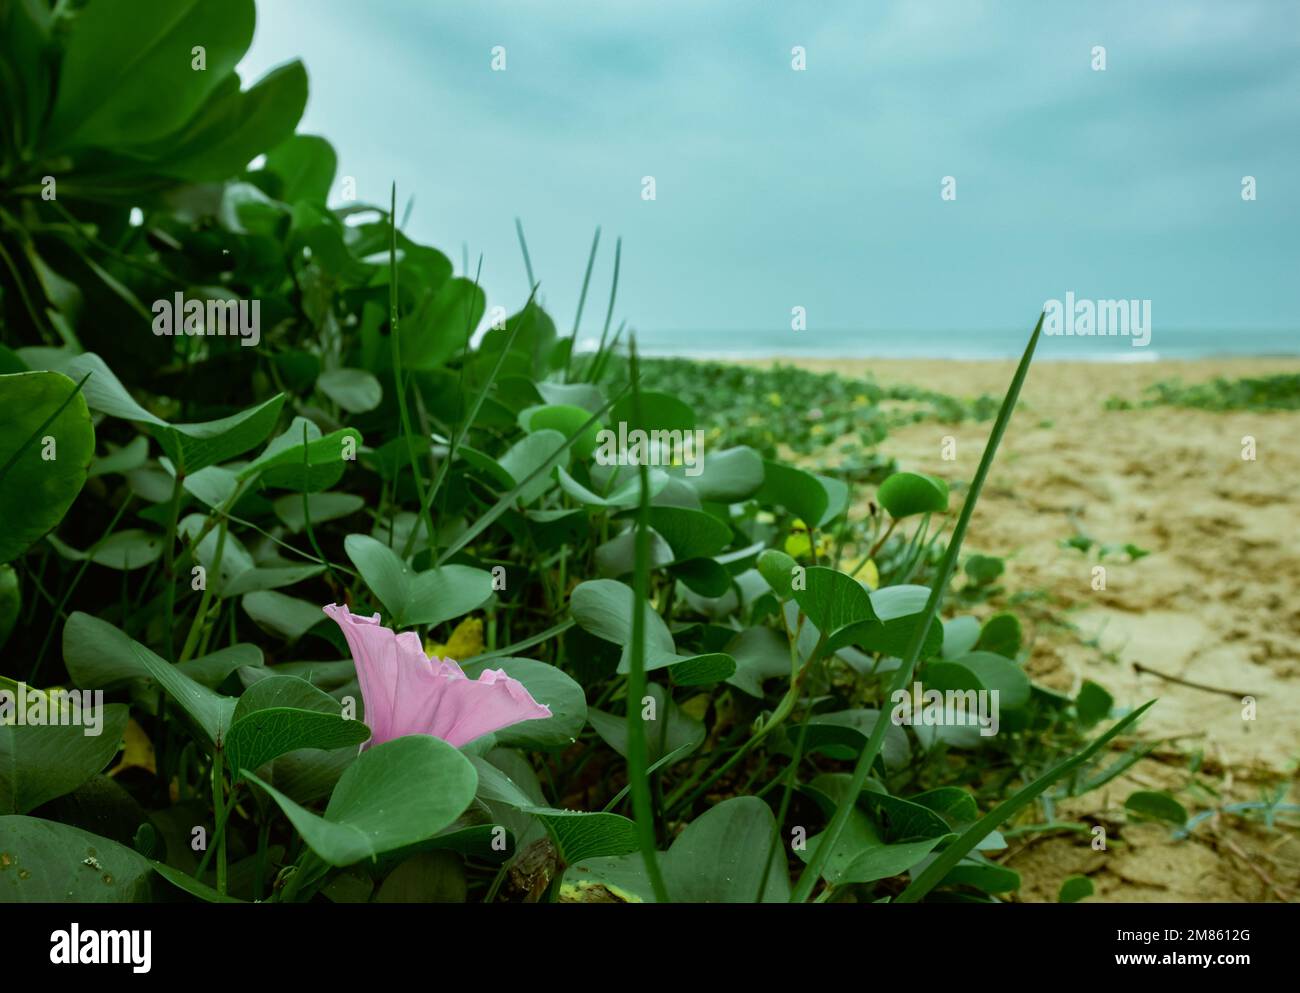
x=1002, y=344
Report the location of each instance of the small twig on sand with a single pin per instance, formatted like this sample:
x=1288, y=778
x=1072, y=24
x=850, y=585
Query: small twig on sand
x=1187, y=682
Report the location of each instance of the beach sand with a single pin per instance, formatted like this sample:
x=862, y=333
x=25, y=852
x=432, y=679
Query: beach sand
x=1215, y=603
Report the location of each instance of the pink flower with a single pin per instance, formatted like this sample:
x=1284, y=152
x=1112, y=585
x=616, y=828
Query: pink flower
x=406, y=692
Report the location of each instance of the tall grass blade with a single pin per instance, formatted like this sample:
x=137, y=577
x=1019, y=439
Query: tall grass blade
x=582, y=300
x=903, y=675
x=933, y=873
x=597, y=359
x=637, y=752
x=523, y=247
x=400, y=381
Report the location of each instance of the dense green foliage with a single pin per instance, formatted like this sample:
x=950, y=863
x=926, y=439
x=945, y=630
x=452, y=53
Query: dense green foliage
x=1280, y=392
x=801, y=410
x=204, y=499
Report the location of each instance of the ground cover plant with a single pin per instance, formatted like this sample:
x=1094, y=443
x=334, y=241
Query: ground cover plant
x=374, y=613
x=1280, y=392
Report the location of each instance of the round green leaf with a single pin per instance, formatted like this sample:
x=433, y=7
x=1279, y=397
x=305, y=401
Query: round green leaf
x=47, y=862
x=47, y=443
x=398, y=793
x=906, y=493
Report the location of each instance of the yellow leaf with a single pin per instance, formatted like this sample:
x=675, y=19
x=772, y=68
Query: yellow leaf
x=868, y=573
x=798, y=544
x=465, y=642
x=137, y=751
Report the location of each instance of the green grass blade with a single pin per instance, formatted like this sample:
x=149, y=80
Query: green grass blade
x=973, y=835
x=602, y=360
x=637, y=752
x=582, y=300
x=393, y=334
x=519, y=646
x=598, y=359
x=903, y=676
x=523, y=247
x=459, y=438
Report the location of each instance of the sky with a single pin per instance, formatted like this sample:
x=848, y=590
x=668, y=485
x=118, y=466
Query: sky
x=821, y=188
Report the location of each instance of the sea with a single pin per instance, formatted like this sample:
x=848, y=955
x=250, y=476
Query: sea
x=1001, y=344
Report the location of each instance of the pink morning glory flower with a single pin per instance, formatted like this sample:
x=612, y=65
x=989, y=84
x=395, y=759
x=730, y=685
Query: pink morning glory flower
x=406, y=692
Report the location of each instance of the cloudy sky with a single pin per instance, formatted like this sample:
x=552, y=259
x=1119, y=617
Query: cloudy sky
x=821, y=188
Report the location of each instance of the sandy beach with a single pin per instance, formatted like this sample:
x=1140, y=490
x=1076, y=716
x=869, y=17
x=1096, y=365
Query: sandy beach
x=1215, y=603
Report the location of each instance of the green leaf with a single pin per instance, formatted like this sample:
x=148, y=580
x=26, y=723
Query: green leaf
x=39, y=762
x=322, y=507
x=85, y=637
x=234, y=126
x=132, y=455
x=122, y=550
x=211, y=670
x=727, y=476
x=1075, y=888
x=720, y=856
x=667, y=731
x=659, y=412
x=385, y=800
x=305, y=164
x=778, y=569
x=47, y=862
x=837, y=499
x=317, y=465
x=984, y=569
x=900, y=611
x=355, y=390
x=1093, y=703
x=191, y=447
x=285, y=615
x=798, y=491
x=907, y=493
x=623, y=496
x=46, y=446
x=702, y=670
x=429, y=597
x=1000, y=635
x=959, y=636
x=190, y=885
x=690, y=533
x=760, y=654
x=428, y=877
x=707, y=577
x=885, y=861
x=11, y=602
x=565, y=419
x=834, y=602
x=440, y=325
x=844, y=733
x=537, y=451
x=978, y=872
x=579, y=835
x=603, y=607
x=1157, y=805
x=270, y=732
x=120, y=57
x=982, y=671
